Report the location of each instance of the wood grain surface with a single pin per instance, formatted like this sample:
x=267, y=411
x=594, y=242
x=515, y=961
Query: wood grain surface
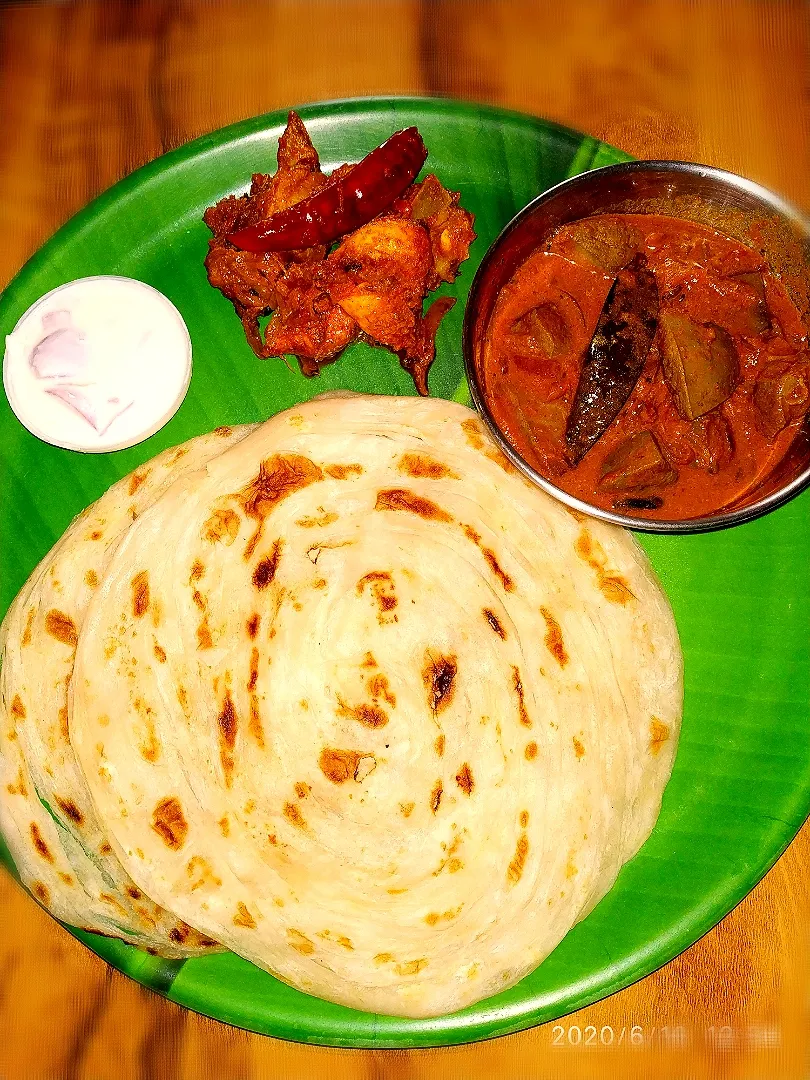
x=89, y=91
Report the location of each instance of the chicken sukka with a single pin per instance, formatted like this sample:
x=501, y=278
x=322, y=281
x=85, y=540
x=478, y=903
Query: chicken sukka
x=371, y=286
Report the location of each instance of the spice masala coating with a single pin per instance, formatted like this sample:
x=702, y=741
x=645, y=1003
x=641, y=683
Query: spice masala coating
x=370, y=286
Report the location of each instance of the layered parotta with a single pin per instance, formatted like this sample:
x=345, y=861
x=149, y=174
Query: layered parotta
x=58, y=842
x=359, y=702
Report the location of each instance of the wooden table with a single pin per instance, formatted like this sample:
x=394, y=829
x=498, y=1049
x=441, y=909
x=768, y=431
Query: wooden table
x=89, y=91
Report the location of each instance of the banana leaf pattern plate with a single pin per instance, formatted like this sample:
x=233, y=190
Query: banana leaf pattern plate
x=740, y=789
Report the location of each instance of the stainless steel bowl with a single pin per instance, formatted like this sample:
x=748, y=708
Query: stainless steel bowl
x=729, y=203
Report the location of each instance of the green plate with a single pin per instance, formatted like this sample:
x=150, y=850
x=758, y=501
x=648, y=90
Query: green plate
x=741, y=785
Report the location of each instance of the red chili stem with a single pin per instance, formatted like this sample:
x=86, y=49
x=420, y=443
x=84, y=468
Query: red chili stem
x=342, y=205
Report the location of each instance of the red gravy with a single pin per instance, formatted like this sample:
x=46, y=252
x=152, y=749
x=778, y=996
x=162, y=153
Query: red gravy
x=723, y=386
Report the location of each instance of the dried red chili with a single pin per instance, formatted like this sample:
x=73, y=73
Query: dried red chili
x=343, y=204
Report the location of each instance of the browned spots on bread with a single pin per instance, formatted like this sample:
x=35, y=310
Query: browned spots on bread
x=474, y=433
x=615, y=589
x=436, y=796
x=266, y=568
x=379, y=687
x=160, y=653
x=406, y=808
x=517, y=686
x=182, y=697
x=438, y=677
x=63, y=723
x=579, y=749
x=228, y=724
x=39, y=843
x=338, y=765
x=201, y=874
x=659, y=734
x=62, y=627
x=343, y=472
x=279, y=477
x=41, y=892
x=554, y=639
x=199, y=600
x=133, y=892
x=438, y=745
x=252, y=625
x=464, y=779
x=302, y=789
x=105, y=849
x=384, y=958
x=450, y=862
x=368, y=715
x=339, y=939
x=66, y=879
x=243, y=917
x=497, y=570
x=224, y=431
x=222, y=527
x=96, y=534
x=204, y=639
x=514, y=871
x=300, y=942
x=495, y=623
x=255, y=727
x=320, y=522
x=197, y=570
x=402, y=499
x=411, y=967
x=29, y=622
x=490, y=558
x=382, y=588
x=170, y=823
x=137, y=479
x=224, y=825
x=294, y=816
x=612, y=586
x=524, y=818
x=254, y=670
x=17, y=708
x=20, y=787
x=140, y=594
x=91, y=579
x=424, y=466
x=435, y=917
x=478, y=440
x=70, y=810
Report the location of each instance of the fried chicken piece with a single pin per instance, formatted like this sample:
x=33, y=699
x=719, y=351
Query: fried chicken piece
x=372, y=286
x=380, y=278
x=380, y=275
x=249, y=281
x=450, y=226
x=255, y=283
x=308, y=323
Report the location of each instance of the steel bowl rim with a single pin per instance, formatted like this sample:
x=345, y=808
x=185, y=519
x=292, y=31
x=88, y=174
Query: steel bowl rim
x=708, y=523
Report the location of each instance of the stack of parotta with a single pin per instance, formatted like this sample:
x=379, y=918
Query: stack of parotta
x=342, y=693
